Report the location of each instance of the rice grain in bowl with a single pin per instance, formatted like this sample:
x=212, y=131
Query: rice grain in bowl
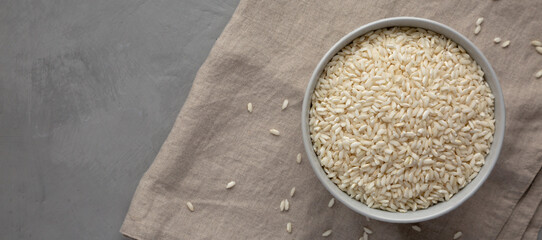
x=399, y=118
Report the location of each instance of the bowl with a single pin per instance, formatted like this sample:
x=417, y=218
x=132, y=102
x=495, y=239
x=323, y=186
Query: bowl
x=440, y=208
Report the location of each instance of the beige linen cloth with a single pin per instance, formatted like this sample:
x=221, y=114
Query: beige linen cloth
x=266, y=54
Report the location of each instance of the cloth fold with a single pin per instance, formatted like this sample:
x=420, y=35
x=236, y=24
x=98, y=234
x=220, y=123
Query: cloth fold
x=524, y=214
x=266, y=54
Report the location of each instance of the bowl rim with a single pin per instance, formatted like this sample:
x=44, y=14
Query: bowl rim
x=460, y=197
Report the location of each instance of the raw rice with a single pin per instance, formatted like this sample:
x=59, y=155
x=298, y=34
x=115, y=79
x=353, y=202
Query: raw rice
x=477, y=29
x=289, y=227
x=190, y=206
x=282, y=204
x=286, y=205
x=402, y=128
x=479, y=21
x=230, y=185
x=249, y=107
x=331, y=202
x=538, y=74
x=274, y=131
x=327, y=233
x=539, y=50
x=365, y=236
x=298, y=160
x=457, y=235
x=284, y=104
x=416, y=228
x=505, y=43
x=292, y=192
x=367, y=230
x=536, y=43
x=497, y=40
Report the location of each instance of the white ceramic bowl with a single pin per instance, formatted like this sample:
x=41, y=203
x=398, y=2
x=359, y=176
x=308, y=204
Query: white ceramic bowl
x=491, y=159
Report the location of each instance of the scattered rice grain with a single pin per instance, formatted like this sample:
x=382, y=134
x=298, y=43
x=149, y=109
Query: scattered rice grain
x=190, y=206
x=289, y=227
x=327, y=233
x=292, y=192
x=416, y=228
x=298, y=160
x=477, y=29
x=536, y=43
x=282, y=206
x=230, y=185
x=284, y=104
x=249, y=107
x=457, y=235
x=505, y=43
x=497, y=40
x=479, y=21
x=538, y=74
x=539, y=50
x=286, y=205
x=274, y=131
x=367, y=230
x=331, y=202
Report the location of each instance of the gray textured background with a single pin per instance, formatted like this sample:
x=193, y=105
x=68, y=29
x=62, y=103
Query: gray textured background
x=88, y=93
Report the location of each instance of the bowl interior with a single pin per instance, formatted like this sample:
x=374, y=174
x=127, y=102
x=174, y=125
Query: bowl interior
x=491, y=159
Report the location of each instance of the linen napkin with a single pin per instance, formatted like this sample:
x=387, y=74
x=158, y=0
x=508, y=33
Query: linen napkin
x=266, y=54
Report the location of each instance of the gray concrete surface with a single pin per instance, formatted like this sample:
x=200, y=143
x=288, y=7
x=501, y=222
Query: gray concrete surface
x=89, y=90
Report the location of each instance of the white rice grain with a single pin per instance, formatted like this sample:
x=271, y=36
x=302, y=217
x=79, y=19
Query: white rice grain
x=457, y=235
x=416, y=228
x=298, y=160
x=274, y=131
x=289, y=227
x=538, y=74
x=284, y=104
x=331, y=202
x=282, y=206
x=327, y=233
x=230, y=185
x=292, y=192
x=249, y=107
x=497, y=40
x=539, y=50
x=367, y=230
x=190, y=206
x=365, y=236
x=505, y=44
x=477, y=29
x=479, y=21
x=286, y=205
x=536, y=43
